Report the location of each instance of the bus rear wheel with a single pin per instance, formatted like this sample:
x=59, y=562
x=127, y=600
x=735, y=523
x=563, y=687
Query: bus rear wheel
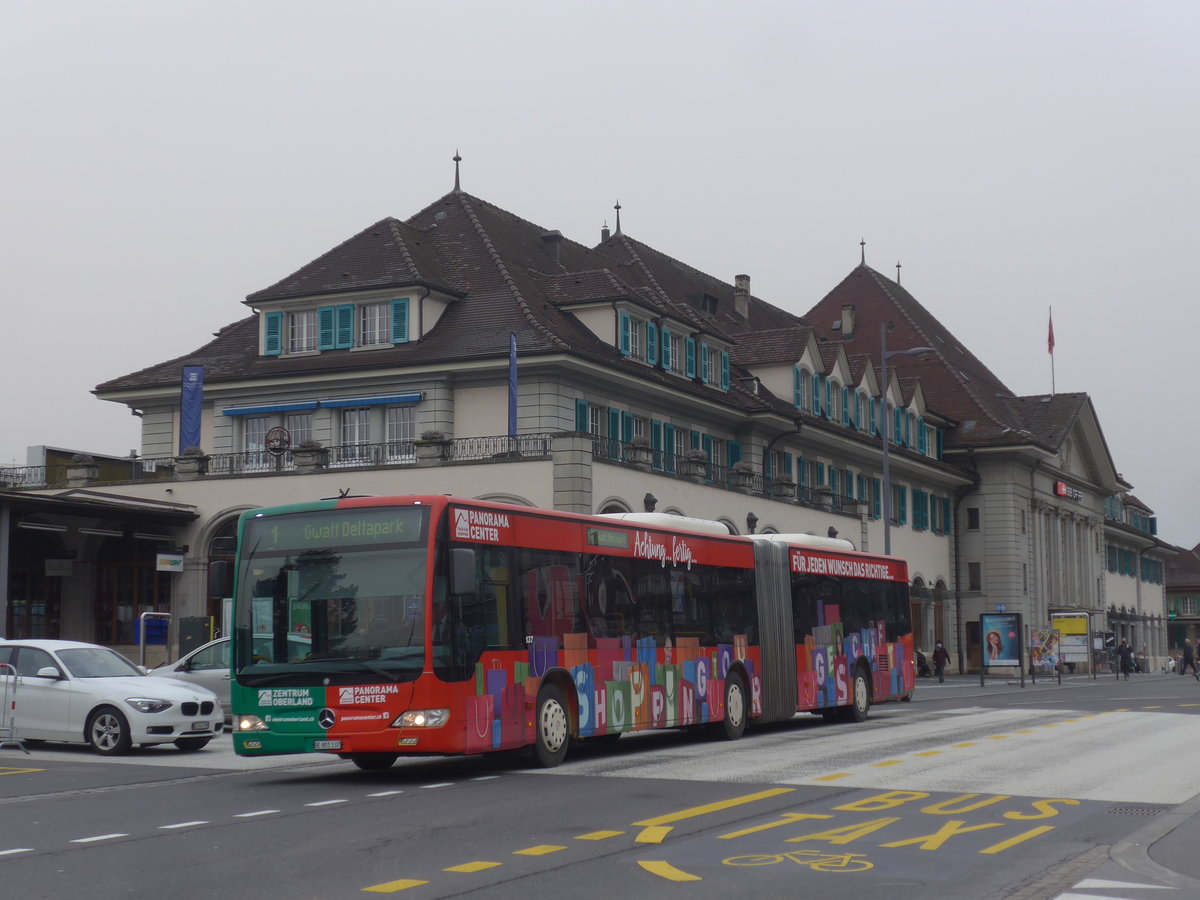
x=733, y=726
x=553, y=727
x=373, y=762
x=860, y=699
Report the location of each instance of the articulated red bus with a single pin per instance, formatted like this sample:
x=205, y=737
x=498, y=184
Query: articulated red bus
x=375, y=627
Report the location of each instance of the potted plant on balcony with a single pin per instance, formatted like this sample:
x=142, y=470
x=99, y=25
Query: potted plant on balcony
x=432, y=445
x=741, y=475
x=310, y=455
x=694, y=464
x=643, y=454
x=191, y=464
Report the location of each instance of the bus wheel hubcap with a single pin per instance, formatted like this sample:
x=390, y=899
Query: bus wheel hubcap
x=554, y=725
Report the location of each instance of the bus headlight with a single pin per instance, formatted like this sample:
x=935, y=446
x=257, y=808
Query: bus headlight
x=249, y=723
x=422, y=718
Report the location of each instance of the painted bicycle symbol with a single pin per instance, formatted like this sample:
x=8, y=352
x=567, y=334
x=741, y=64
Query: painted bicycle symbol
x=814, y=859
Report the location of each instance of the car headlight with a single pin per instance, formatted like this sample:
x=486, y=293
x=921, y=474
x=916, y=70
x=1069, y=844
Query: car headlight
x=422, y=718
x=148, y=704
x=249, y=723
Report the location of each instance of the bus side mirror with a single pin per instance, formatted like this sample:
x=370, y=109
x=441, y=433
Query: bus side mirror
x=220, y=581
x=462, y=571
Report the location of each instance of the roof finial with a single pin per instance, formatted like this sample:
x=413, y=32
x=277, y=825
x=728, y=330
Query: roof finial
x=457, y=160
x=863, y=244
x=897, y=271
x=618, y=209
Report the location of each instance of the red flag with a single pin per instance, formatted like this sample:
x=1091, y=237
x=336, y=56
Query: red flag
x=1050, y=337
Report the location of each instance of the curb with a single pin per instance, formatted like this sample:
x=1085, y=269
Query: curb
x=1133, y=853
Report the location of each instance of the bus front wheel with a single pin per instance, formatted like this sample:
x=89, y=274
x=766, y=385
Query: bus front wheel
x=553, y=727
x=860, y=700
x=373, y=762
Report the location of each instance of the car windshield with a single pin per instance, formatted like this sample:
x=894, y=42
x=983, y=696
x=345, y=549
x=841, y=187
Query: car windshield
x=96, y=662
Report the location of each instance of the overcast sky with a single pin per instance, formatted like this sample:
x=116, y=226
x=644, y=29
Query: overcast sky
x=163, y=159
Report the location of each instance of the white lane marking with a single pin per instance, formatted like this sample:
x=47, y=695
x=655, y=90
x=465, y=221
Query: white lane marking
x=16, y=850
x=440, y=784
x=385, y=793
x=257, y=812
x=99, y=837
x=326, y=803
x=185, y=824
x=484, y=777
x=1102, y=884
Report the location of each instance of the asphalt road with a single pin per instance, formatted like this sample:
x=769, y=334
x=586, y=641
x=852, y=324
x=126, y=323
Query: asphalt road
x=968, y=792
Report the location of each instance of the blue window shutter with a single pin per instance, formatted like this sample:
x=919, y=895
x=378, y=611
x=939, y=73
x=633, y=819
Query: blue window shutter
x=325, y=327
x=871, y=417
x=947, y=521
x=922, y=443
x=876, y=499
x=400, y=321
x=614, y=423
x=581, y=414
x=816, y=394
x=845, y=405
x=689, y=366
x=787, y=465
x=802, y=470
x=797, y=391
x=833, y=479
x=694, y=440
x=343, y=329
x=820, y=474
x=705, y=374
x=626, y=427
x=669, y=447
x=848, y=486
x=651, y=343
x=623, y=342
x=901, y=504
x=656, y=443
x=897, y=425
x=273, y=334
x=724, y=370
x=735, y=452
x=665, y=356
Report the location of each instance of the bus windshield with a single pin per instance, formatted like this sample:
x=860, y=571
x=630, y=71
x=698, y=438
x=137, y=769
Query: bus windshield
x=331, y=597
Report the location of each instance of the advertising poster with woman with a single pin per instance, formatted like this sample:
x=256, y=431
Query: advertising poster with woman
x=1001, y=635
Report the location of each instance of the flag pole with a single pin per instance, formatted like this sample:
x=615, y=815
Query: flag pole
x=1050, y=346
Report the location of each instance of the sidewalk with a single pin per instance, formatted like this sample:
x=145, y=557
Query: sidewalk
x=1164, y=850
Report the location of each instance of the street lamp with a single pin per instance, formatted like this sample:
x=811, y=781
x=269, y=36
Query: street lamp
x=884, y=356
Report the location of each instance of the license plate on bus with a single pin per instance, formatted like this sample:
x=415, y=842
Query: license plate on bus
x=327, y=745
x=199, y=726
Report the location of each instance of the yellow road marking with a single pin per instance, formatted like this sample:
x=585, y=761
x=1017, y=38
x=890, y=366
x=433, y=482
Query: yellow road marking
x=666, y=870
x=1020, y=838
x=1051, y=725
x=1189, y=704
x=1123, y=709
x=788, y=819
x=964, y=745
x=834, y=777
x=391, y=887
x=7, y=771
x=477, y=866
x=1024, y=731
x=540, y=850
x=598, y=835
x=928, y=753
x=653, y=834
x=1151, y=707
x=694, y=811
x=886, y=763
x=998, y=737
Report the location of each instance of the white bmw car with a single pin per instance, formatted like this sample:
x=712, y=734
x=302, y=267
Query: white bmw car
x=84, y=693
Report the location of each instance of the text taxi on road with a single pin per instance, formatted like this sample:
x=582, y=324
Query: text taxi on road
x=84, y=693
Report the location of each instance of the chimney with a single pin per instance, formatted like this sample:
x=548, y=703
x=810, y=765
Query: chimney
x=551, y=241
x=605, y=234
x=848, y=320
x=741, y=295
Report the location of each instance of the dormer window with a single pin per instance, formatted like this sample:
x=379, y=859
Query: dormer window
x=341, y=327
x=302, y=331
x=374, y=324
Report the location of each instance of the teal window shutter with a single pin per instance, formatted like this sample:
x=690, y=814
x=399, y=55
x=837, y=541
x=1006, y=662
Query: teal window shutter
x=669, y=447
x=897, y=425
x=820, y=474
x=343, y=329
x=802, y=470
x=665, y=356
x=922, y=442
x=735, y=452
x=623, y=345
x=797, y=390
x=724, y=370
x=651, y=343
x=626, y=427
x=845, y=405
x=614, y=423
x=581, y=414
x=908, y=429
x=400, y=321
x=876, y=499
x=828, y=398
x=689, y=365
x=901, y=504
x=848, y=484
x=858, y=411
x=787, y=465
x=833, y=479
x=871, y=416
x=705, y=369
x=694, y=440
x=325, y=327
x=656, y=443
x=272, y=334
x=816, y=394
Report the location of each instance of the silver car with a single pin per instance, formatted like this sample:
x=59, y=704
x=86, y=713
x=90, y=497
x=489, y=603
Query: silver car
x=209, y=664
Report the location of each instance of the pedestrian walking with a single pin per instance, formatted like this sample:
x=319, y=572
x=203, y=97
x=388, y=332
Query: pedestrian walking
x=1189, y=659
x=1125, y=655
x=941, y=659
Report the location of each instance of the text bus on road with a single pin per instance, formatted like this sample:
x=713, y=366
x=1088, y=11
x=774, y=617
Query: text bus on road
x=441, y=625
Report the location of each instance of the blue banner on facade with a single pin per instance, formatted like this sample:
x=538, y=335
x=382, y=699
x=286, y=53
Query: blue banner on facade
x=191, y=404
